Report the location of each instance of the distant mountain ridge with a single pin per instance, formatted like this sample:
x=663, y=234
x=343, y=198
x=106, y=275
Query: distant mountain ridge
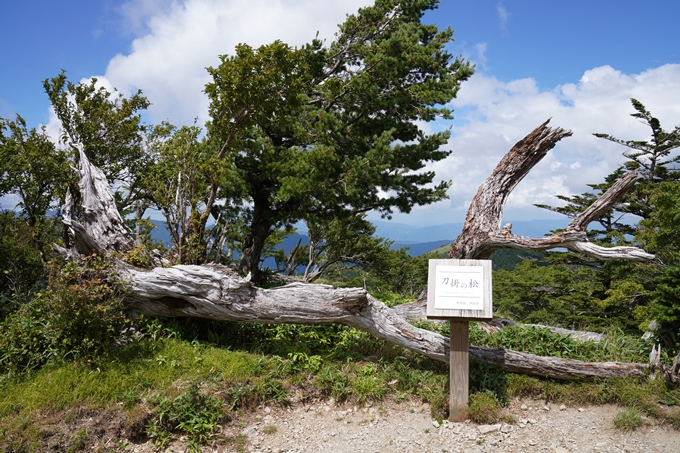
x=409, y=234
x=419, y=240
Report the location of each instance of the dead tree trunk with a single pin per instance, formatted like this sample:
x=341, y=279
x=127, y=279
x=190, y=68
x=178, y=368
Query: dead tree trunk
x=217, y=292
x=482, y=233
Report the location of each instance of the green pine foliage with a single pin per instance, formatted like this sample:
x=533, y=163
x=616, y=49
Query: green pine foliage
x=555, y=295
x=333, y=133
x=665, y=308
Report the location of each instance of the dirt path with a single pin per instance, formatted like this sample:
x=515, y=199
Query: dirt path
x=408, y=427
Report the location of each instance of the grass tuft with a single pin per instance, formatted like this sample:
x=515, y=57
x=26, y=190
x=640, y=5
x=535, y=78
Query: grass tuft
x=628, y=419
x=483, y=408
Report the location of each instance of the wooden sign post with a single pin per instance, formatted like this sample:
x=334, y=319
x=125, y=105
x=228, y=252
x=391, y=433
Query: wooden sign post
x=459, y=291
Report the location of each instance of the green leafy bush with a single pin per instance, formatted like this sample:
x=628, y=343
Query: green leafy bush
x=193, y=413
x=77, y=317
x=21, y=269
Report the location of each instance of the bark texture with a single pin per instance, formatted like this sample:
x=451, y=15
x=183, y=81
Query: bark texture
x=103, y=230
x=217, y=292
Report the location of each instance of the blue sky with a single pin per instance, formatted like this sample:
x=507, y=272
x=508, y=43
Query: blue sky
x=577, y=62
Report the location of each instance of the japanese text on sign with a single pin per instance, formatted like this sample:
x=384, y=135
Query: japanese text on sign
x=459, y=288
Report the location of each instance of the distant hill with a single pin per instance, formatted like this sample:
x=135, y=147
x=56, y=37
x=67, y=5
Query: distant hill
x=161, y=233
x=423, y=247
x=500, y=259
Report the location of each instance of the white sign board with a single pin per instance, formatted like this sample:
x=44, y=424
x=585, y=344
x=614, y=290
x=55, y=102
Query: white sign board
x=459, y=289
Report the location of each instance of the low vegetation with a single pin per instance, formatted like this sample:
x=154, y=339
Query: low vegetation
x=187, y=376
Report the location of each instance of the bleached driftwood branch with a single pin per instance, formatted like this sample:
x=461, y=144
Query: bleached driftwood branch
x=103, y=229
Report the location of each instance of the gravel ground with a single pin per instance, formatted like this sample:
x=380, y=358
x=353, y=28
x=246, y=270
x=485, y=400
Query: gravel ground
x=408, y=427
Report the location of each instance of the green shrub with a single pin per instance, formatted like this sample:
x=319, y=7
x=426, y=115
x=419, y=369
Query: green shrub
x=21, y=269
x=665, y=307
x=540, y=341
x=192, y=413
x=77, y=317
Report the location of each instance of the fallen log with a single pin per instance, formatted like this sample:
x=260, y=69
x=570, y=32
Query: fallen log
x=578, y=335
x=218, y=292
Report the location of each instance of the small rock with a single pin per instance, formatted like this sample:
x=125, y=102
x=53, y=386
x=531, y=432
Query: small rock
x=532, y=442
x=250, y=431
x=435, y=423
x=563, y=407
x=546, y=408
x=524, y=407
x=505, y=429
x=580, y=409
x=486, y=429
x=560, y=450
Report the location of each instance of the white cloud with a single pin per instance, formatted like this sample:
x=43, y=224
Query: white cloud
x=492, y=115
x=53, y=126
x=178, y=40
x=502, y=15
x=137, y=13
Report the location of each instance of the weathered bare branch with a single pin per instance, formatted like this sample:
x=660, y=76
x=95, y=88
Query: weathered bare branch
x=482, y=233
x=103, y=229
x=102, y=221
